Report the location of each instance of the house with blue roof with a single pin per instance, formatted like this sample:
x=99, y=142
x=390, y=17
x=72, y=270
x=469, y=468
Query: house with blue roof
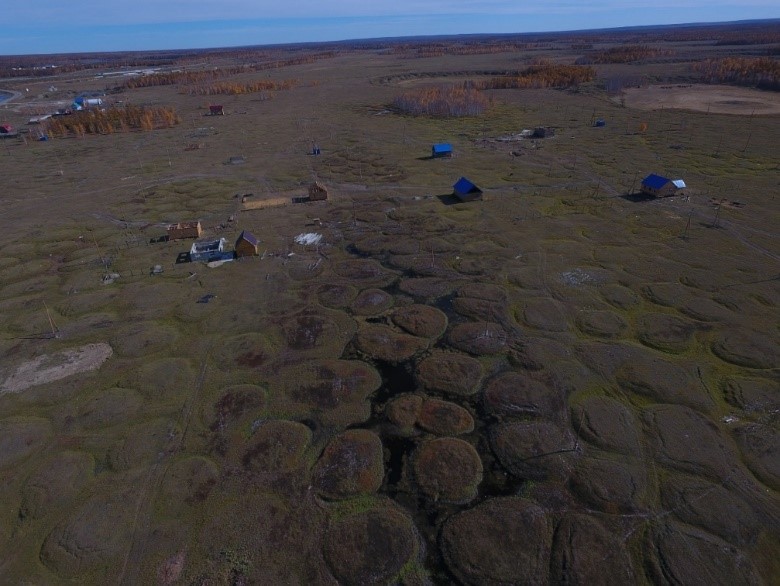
x=442, y=149
x=659, y=186
x=465, y=190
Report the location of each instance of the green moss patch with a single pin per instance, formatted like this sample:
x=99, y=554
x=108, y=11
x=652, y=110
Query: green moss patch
x=351, y=465
x=447, y=469
x=370, y=547
x=497, y=541
x=450, y=373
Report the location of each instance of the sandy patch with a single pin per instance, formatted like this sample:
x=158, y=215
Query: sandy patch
x=51, y=367
x=718, y=99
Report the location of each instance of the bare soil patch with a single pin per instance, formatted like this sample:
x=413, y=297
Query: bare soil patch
x=717, y=99
x=51, y=367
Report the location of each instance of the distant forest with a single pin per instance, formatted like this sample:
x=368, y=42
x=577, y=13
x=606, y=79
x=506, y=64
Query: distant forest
x=756, y=66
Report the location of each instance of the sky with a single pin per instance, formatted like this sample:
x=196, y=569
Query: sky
x=57, y=26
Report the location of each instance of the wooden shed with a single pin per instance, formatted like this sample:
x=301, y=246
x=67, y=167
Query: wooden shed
x=465, y=190
x=216, y=110
x=185, y=230
x=247, y=245
x=318, y=192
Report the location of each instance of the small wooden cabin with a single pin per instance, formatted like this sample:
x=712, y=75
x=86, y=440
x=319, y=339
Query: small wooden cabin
x=247, y=245
x=318, y=192
x=465, y=190
x=184, y=230
x=216, y=110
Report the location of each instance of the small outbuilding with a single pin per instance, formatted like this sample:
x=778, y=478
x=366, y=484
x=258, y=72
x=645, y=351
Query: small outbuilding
x=207, y=250
x=659, y=186
x=6, y=129
x=216, y=110
x=185, y=230
x=318, y=192
x=542, y=132
x=465, y=190
x=247, y=244
x=441, y=150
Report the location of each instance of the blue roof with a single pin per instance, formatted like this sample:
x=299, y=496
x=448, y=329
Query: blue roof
x=655, y=181
x=442, y=147
x=464, y=186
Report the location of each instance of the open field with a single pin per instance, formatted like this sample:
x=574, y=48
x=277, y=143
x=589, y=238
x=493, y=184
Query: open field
x=563, y=382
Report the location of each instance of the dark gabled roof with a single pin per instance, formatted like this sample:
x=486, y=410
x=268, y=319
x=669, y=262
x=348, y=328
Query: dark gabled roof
x=464, y=186
x=248, y=237
x=654, y=181
x=442, y=147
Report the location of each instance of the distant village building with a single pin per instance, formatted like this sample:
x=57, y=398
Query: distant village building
x=440, y=150
x=216, y=110
x=317, y=192
x=6, y=129
x=184, y=230
x=659, y=186
x=465, y=190
x=84, y=102
x=247, y=244
x=207, y=250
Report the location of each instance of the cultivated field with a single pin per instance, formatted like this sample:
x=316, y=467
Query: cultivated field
x=565, y=382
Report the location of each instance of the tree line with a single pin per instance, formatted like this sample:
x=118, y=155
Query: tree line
x=235, y=88
x=540, y=76
x=200, y=76
x=469, y=99
x=111, y=120
x=443, y=102
x=759, y=72
x=624, y=54
x=419, y=51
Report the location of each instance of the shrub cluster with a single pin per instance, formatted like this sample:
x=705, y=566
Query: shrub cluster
x=204, y=75
x=542, y=76
x=417, y=51
x=110, y=120
x=234, y=88
x=760, y=72
x=443, y=102
x=624, y=54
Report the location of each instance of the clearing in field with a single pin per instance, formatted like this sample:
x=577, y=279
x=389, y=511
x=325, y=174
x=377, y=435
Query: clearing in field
x=718, y=99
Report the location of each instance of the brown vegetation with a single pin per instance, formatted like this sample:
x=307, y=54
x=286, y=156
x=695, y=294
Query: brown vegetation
x=443, y=102
x=760, y=72
x=542, y=76
x=112, y=120
x=234, y=88
x=625, y=54
x=416, y=50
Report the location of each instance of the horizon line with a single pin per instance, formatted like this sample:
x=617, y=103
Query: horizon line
x=409, y=37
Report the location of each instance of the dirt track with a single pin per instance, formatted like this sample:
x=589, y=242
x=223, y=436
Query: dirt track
x=718, y=99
